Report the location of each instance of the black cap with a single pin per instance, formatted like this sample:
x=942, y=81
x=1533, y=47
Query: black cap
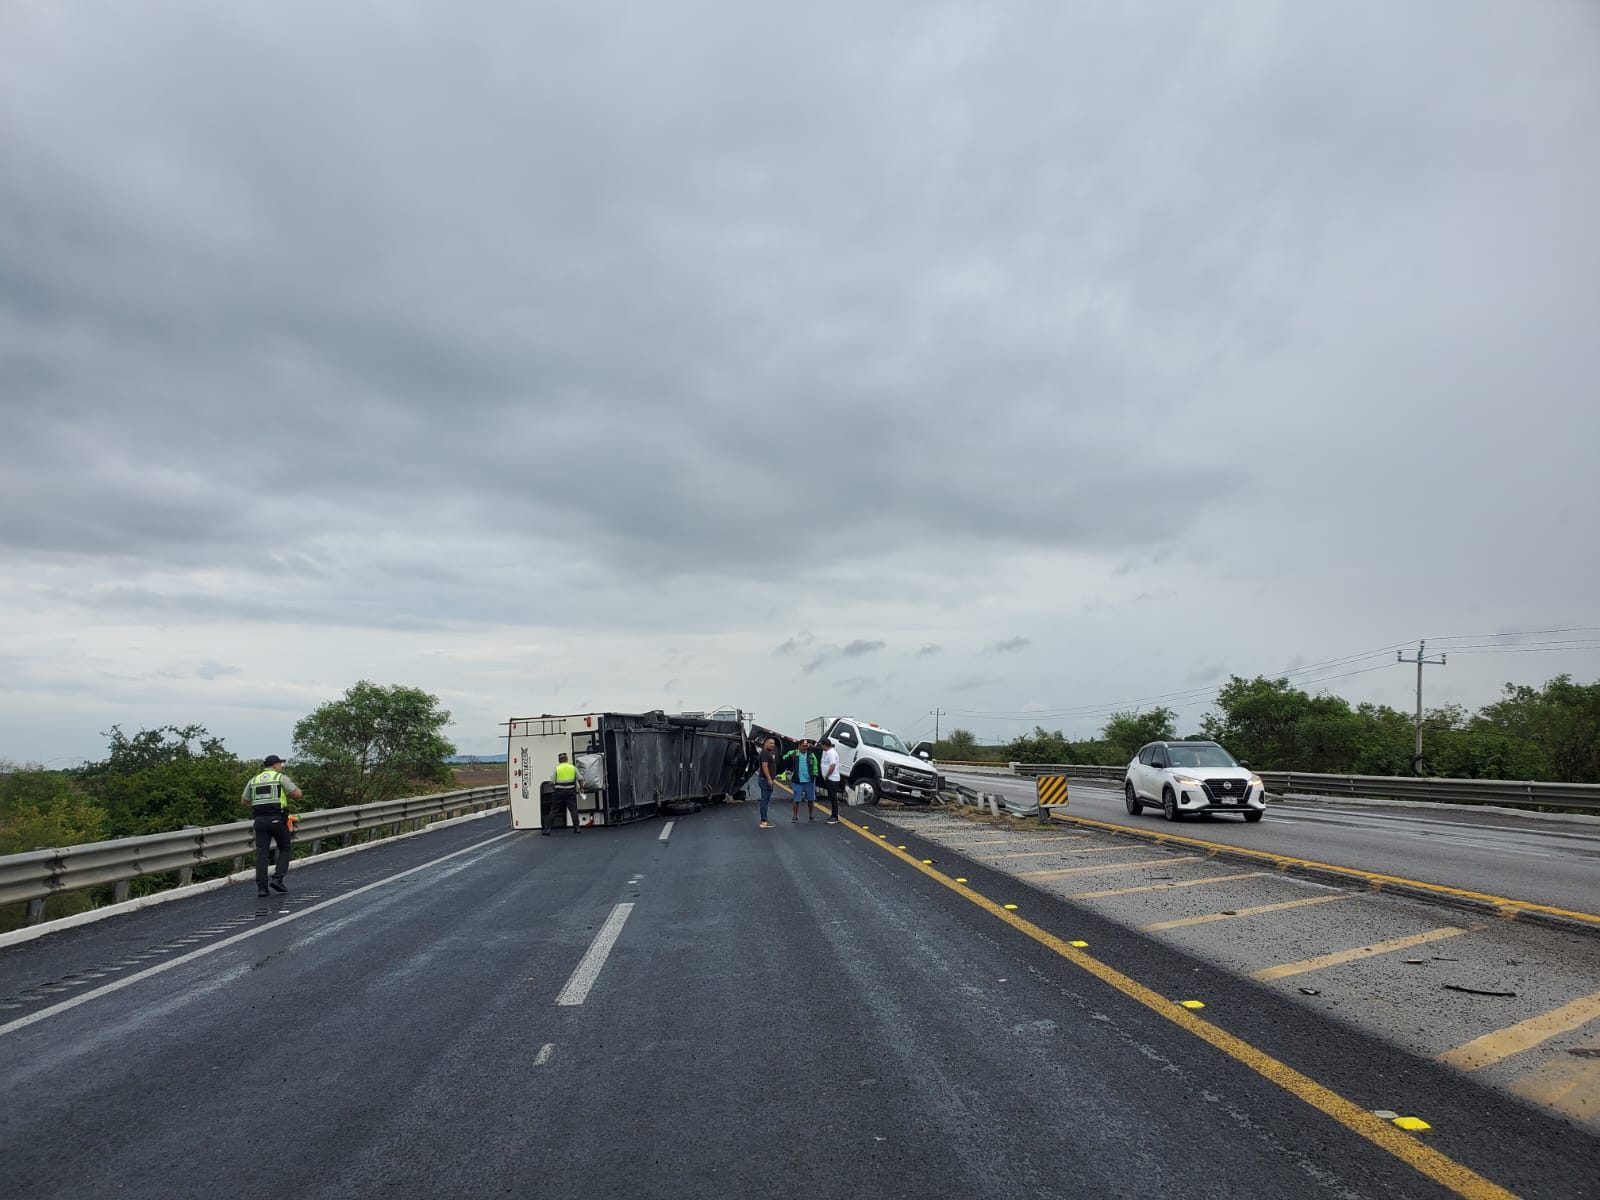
x=271, y=760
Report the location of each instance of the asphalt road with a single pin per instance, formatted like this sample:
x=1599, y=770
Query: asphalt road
x=1540, y=859
x=804, y=1011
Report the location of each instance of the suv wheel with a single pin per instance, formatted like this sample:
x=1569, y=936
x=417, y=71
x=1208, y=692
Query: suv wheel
x=1130, y=800
x=1253, y=815
x=1169, y=804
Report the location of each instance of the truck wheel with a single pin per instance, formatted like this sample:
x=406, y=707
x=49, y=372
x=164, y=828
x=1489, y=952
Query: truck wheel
x=868, y=791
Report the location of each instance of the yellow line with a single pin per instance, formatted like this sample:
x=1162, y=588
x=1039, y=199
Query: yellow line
x=1441, y=1168
x=959, y=843
x=1503, y=1043
x=1284, y=970
x=1063, y=872
x=1042, y=853
x=1156, y=887
x=1570, y=1086
x=1507, y=906
x=1242, y=912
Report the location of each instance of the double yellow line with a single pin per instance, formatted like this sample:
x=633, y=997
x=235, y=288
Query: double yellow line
x=1439, y=1167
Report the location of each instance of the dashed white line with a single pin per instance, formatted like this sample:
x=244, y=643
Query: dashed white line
x=588, y=969
x=666, y=833
x=545, y=1051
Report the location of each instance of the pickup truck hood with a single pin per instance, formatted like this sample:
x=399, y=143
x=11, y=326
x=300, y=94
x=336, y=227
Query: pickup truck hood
x=907, y=761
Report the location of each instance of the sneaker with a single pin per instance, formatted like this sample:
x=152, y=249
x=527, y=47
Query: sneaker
x=262, y=892
x=277, y=886
x=766, y=825
x=831, y=821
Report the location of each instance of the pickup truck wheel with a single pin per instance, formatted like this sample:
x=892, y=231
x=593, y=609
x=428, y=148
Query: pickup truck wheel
x=1130, y=800
x=1169, y=804
x=868, y=790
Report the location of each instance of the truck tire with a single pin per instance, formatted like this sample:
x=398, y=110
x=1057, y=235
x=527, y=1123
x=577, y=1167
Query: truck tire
x=867, y=790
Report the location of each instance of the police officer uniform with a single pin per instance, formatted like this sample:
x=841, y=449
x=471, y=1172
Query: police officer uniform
x=564, y=795
x=268, y=795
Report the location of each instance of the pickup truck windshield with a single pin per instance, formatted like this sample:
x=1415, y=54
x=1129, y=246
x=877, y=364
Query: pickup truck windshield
x=882, y=739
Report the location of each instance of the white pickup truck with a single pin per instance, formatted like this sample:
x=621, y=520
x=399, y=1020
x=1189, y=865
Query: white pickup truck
x=875, y=762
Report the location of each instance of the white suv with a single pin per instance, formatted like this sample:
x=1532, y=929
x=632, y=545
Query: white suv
x=1192, y=777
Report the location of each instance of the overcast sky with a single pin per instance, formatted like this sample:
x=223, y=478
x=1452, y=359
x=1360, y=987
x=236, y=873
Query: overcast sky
x=1022, y=361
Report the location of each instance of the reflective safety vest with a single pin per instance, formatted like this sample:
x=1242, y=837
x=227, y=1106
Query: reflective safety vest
x=566, y=775
x=266, y=791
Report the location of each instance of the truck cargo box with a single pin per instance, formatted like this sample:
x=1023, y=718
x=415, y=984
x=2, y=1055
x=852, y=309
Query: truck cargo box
x=630, y=765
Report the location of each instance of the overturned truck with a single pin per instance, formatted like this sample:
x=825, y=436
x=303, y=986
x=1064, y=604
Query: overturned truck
x=630, y=765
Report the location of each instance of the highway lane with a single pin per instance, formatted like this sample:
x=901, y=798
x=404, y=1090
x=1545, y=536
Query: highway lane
x=796, y=1012
x=1540, y=859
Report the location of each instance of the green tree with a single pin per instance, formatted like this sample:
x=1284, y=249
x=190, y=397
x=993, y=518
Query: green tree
x=1039, y=746
x=1561, y=721
x=1126, y=732
x=960, y=746
x=373, y=744
x=41, y=809
x=164, y=778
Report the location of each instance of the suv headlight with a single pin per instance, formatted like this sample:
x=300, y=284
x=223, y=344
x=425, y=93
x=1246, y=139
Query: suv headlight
x=1185, y=782
x=1255, y=781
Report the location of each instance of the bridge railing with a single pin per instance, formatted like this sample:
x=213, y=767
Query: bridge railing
x=34, y=877
x=1510, y=792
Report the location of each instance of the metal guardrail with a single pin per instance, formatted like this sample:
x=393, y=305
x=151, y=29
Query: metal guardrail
x=1522, y=793
x=39, y=874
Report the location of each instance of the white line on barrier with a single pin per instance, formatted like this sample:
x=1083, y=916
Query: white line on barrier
x=666, y=833
x=107, y=989
x=588, y=970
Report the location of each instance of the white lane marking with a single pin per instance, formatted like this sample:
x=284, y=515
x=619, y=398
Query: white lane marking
x=666, y=833
x=118, y=985
x=588, y=970
x=545, y=1051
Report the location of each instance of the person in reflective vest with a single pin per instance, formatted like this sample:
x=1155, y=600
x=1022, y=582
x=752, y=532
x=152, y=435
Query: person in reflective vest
x=267, y=796
x=564, y=794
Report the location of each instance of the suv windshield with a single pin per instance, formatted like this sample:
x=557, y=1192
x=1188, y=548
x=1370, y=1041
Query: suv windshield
x=882, y=739
x=1199, y=756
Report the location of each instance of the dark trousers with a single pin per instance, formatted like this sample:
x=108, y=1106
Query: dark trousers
x=563, y=801
x=835, y=787
x=269, y=830
x=766, y=794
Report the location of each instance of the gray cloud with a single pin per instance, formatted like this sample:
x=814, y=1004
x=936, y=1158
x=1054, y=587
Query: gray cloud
x=856, y=685
x=930, y=650
x=1009, y=646
x=857, y=648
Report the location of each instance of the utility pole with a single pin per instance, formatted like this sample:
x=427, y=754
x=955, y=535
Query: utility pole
x=1421, y=660
x=936, y=714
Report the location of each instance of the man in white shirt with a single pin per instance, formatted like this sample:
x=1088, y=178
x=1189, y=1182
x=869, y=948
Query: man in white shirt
x=830, y=778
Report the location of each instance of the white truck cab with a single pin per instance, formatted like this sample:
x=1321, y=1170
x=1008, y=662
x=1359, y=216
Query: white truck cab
x=876, y=762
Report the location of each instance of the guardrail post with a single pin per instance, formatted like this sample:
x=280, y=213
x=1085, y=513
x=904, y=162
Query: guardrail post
x=185, y=876
x=121, y=891
x=238, y=864
x=35, y=911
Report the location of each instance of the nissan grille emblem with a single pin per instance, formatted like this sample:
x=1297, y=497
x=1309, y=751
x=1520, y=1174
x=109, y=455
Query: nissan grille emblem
x=1227, y=787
